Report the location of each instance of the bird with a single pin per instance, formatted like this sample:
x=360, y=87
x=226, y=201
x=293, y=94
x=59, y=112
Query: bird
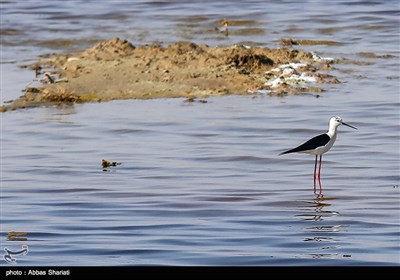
x=319, y=145
x=224, y=28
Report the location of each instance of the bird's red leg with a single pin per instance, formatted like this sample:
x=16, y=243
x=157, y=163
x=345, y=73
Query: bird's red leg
x=319, y=172
x=315, y=172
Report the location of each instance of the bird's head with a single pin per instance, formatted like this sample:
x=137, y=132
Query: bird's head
x=335, y=121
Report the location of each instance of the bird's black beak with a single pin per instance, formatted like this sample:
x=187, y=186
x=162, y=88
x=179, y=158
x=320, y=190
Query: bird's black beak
x=349, y=125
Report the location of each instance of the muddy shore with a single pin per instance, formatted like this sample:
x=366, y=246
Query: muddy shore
x=116, y=69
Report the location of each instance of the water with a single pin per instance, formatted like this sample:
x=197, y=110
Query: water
x=201, y=184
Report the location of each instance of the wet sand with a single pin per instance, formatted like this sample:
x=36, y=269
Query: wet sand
x=116, y=69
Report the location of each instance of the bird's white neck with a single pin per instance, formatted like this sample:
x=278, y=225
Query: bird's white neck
x=332, y=131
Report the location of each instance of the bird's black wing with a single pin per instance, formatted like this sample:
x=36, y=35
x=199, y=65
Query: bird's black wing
x=313, y=143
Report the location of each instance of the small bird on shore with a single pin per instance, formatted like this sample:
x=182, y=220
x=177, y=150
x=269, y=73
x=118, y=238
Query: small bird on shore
x=224, y=28
x=319, y=145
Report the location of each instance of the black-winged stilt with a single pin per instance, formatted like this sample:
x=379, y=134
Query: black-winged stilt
x=319, y=145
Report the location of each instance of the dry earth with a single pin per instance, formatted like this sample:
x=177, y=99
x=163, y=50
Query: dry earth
x=116, y=69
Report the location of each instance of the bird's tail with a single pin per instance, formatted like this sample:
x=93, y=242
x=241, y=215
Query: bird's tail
x=289, y=151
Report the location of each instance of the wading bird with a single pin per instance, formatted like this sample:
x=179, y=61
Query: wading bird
x=319, y=145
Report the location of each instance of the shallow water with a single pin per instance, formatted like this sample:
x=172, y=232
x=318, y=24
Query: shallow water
x=202, y=184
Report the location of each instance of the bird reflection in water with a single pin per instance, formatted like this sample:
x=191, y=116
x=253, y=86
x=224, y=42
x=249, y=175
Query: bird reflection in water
x=317, y=205
x=323, y=229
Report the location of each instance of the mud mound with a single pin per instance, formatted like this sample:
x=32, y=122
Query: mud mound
x=115, y=69
x=109, y=50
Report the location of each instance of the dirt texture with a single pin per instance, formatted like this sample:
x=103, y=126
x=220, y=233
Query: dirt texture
x=116, y=69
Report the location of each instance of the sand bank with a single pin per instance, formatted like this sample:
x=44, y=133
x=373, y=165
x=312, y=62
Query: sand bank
x=116, y=69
